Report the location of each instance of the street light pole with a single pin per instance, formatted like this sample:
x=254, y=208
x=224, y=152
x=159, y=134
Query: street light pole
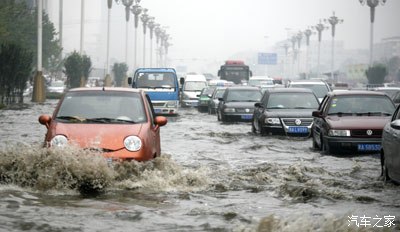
x=39, y=94
x=333, y=20
x=319, y=28
x=136, y=10
x=299, y=37
x=372, y=5
x=307, y=34
x=107, y=79
x=127, y=4
x=157, y=31
x=293, y=40
x=151, y=26
x=82, y=26
x=286, y=47
x=145, y=18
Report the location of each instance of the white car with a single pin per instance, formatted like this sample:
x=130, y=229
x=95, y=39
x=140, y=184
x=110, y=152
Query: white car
x=56, y=87
x=320, y=88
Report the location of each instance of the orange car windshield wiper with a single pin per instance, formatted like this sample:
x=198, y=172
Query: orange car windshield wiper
x=108, y=120
x=71, y=118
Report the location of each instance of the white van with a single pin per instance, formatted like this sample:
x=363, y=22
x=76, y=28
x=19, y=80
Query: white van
x=192, y=85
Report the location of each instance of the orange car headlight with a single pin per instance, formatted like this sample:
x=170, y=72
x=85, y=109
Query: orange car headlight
x=133, y=143
x=59, y=141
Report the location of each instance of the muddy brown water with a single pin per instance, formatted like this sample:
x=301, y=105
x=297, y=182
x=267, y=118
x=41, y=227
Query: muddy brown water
x=211, y=177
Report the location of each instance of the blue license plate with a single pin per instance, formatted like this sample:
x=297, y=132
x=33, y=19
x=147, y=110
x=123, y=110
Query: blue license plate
x=157, y=110
x=368, y=147
x=247, y=117
x=298, y=129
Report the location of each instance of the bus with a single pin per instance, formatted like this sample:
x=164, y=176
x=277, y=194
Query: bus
x=235, y=71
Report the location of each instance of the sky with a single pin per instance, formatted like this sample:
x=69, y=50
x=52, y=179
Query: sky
x=216, y=29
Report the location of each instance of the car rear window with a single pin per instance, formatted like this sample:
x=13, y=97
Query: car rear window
x=252, y=95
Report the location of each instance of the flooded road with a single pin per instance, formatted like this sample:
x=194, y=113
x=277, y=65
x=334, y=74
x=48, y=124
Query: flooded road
x=211, y=177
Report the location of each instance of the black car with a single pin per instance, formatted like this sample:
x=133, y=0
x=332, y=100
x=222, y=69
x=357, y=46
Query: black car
x=285, y=111
x=237, y=103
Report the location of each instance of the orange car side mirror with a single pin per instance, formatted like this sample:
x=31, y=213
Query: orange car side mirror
x=45, y=120
x=160, y=120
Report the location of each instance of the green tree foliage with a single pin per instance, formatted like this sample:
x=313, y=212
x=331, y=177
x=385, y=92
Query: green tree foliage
x=15, y=67
x=119, y=70
x=76, y=67
x=376, y=74
x=18, y=24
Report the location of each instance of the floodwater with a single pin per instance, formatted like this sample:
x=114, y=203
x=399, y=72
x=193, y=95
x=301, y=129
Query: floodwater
x=211, y=177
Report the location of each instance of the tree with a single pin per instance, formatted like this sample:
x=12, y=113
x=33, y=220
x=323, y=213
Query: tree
x=376, y=74
x=119, y=70
x=16, y=64
x=76, y=68
x=18, y=25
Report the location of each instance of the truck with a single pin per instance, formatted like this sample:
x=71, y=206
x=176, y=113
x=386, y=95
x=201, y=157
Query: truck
x=235, y=71
x=162, y=86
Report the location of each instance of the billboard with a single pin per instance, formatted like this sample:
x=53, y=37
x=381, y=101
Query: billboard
x=267, y=58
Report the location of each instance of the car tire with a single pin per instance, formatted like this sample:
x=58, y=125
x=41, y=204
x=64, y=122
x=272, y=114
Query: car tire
x=263, y=131
x=324, y=146
x=385, y=172
x=218, y=116
x=315, y=145
x=253, y=128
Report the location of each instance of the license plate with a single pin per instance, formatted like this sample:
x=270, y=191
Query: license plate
x=195, y=103
x=298, y=129
x=369, y=147
x=247, y=117
x=157, y=110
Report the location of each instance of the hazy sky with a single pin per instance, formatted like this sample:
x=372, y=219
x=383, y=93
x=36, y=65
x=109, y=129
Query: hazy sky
x=216, y=29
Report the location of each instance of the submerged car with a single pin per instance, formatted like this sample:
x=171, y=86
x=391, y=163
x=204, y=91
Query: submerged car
x=214, y=99
x=204, y=98
x=390, y=152
x=320, y=88
x=285, y=111
x=351, y=121
x=237, y=103
x=119, y=122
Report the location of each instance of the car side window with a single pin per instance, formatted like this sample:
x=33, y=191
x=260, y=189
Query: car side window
x=396, y=114
x=150, y=109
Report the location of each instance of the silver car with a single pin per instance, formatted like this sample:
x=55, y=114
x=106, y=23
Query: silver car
x=390, y=152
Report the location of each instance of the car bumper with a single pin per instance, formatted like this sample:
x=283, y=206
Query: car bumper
x=236, y=117
x=349, y=144
x=190, y=103
x=166, y=111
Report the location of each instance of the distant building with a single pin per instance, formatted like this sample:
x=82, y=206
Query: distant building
x=387, y=48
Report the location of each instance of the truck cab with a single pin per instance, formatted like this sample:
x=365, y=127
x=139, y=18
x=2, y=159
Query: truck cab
x=161, y=84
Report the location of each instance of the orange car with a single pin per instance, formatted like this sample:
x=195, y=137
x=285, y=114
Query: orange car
x=120, y=122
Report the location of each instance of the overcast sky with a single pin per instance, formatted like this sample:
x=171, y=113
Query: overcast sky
x=216, y=29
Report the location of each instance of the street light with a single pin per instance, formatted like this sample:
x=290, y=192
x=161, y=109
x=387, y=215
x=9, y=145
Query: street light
x=372, y=5
x=107, y=79
x=151, y=26
x=82, y=25
x=307, y=33
x=157, y=32
x=38, y=94
x=299, y=37
x=333, y=20
x=319, y=28
x=286, y=47
x=136, y=10
x=145, y=18
x=293, y=40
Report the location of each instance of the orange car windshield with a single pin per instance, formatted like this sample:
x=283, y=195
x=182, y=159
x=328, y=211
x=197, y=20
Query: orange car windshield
x=101, y=107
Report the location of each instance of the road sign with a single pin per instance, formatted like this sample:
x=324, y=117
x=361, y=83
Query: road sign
x=267, y=58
